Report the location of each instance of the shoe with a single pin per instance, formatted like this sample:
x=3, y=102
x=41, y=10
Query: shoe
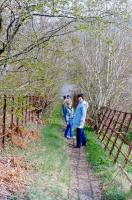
x=85, y=144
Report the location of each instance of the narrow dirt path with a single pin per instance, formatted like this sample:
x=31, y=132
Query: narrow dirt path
x=84, y=184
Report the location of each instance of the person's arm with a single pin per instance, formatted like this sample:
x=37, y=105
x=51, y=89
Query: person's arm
x=83, y=115
x=65, y=110
x=67, y=116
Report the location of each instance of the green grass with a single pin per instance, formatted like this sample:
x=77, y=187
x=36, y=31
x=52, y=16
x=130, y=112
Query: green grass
x=124, y=149
x=50, y=165
x=50, y=162
x=101, y=162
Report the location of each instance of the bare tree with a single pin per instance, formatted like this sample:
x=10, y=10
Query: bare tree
x=102, y=66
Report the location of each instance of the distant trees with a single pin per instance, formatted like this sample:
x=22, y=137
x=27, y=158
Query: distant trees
x=36, y=47
x=102, y=66
x=29, y=51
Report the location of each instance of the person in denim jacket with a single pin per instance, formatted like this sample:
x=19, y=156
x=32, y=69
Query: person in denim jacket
x=69, y=120
x=67, y=100
x=64, y=107
x=79, y=121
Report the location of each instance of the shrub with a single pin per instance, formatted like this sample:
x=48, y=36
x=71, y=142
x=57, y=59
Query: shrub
x=115, y=195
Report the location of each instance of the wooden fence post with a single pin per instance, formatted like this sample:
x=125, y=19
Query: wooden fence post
x=26, y=102
x=128, y=154
x=130, y=145
x=112, y=148
x=22, y=110
x=101, y=120
x=12, y=112
x=32, y=103
x=18, y=108
x=29, y=103
x=4, y=120
x=110, y=121
x=104, y=123
x=112, y=130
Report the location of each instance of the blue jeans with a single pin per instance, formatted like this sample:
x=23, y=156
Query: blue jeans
x=81, y=137
x=69, y=129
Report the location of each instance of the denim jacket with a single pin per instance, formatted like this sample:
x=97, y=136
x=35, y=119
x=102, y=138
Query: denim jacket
x=69, y=115
x=80, y=114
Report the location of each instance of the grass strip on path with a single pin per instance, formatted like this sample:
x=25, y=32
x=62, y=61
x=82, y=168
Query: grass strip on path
x=51, y=163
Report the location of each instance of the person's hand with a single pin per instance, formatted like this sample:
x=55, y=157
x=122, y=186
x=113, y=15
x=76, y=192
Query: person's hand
x=67, y=122
x=81, y=124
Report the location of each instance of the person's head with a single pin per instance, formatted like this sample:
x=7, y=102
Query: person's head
x=64, y=97
x=69, y=104
x=68, y=97
x=80, y=97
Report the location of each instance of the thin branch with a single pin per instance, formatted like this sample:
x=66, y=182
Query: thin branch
x=3, y=5
x=63, y=16
x=42, y=40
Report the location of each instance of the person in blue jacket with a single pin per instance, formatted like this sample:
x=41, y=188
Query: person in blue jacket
x=67, y=99
x=69, y=120
x=64, y=107
x=79, y=121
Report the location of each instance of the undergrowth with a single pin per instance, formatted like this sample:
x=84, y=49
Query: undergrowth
x=107, y=172
x=49, y=175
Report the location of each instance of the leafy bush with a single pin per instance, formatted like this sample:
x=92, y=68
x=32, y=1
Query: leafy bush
x=115, y=195
x=128, y=137
x=104, y=168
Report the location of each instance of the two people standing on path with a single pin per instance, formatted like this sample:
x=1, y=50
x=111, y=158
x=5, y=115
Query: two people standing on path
x=76, y=120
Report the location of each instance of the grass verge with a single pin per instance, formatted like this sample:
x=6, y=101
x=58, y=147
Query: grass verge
x=49, y=163
x=112, y=181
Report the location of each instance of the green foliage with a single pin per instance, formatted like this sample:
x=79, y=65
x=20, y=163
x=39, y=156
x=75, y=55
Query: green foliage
x=49, y=162
x=95, y=153
x=115, y=195
x=52, y=163
x=109, y=41
x=128, y=137
x=84, y=26
x=104, y=168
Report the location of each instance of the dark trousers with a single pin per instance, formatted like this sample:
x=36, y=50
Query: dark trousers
x=81, y=137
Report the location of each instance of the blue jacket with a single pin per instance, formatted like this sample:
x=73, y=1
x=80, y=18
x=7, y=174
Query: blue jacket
x=69, y=115
x=64, y=110
x=80, y=114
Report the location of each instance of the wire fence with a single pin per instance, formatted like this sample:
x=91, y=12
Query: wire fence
x=114, y=130
x=19, y=111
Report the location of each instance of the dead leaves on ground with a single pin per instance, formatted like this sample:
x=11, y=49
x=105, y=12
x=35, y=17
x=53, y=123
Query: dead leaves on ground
x=21, y=136
x=14, y=170
x=13, y=175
